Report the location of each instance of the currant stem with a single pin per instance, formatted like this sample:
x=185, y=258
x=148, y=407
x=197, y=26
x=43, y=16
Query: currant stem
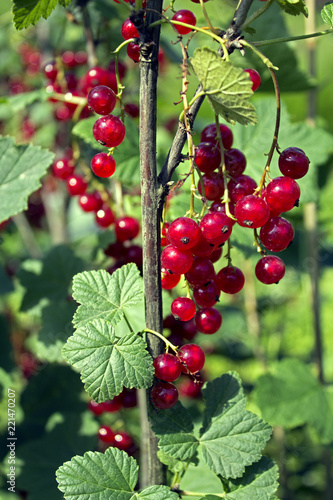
x=223, y=169
x=256, y=14
x=211, y=27
x=292, y=38
x=264, y=59
x=160, y=336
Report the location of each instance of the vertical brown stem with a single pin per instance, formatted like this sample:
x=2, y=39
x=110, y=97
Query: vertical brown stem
x=151, y=469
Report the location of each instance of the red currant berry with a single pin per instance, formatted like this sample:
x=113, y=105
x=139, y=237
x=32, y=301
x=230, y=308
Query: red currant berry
x=62, y=169
x=164, y=238
x=127, y=228
x=216, y=227
x=114, y=404
x=209, y=135
x=206, y=295
x=115, y=250
x=190, y=388
x=270, y=269
x=128, y=30
x=184, y=16
x=104, y=216
x=102, y=100
x=103, y=165
x=277, y=234
x=254, y=77
x=123, y=441
x=241, y=186
x=219, y=206
x=134, y=254
x=183, y=309
x=106, y=434
x=235, y=162
x=230, y=279
x=252, y=211
x=132, y=110
x=167, y=367
x=109, y=131
x=96, y=408
x=213, y=186
x=184, y=233
x=216, y=255
x=133, y=51
x=76, y=185
x=207, y=157
x=164, y=395
x=51, y=70
x=293, y=163
x=175, y=260
x=129, y=398
x=90, y=202
x=208, y=320
x=192, y=356
x=202, y=271
x=282, y=194
x=169, y=281
x=203, y=248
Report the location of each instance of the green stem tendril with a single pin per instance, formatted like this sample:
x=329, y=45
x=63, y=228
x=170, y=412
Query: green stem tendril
x=211, y=27
x=264, y=59
x=165, y=340
x=292, y=38
x=228, y=255
x=257, y=243
x=222, y=168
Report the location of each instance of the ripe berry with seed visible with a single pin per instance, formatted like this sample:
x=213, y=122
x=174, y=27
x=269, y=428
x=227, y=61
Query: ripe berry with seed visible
x=203, y=248
x=192, y=356
x=175, y=260
x=218, y=206
x=206, y=295
x=169, y=281
x=209, y=135
x=128, y=30
x=76, y=185
x=241, y=186
x=208, y=320
x=63, y=168
x=104, y=216
x=109, y=131
x=254, y=77
x=90, y=202
x=235, y=162
x=202, y=271
x=282, y=194
x=216, y=227
x=102, y=100
x=230, y=279
x=167, y=367
x=270, y=269
x=213, y=186
x=126, y=228
x=277, y=234
x=103, y=165
x=207, y=157
x=133, y=51
x=164, y=395
x=293, y=163
x=183, y=309
x=106, y=434
x=252, y=211
x=184, y=233
x=184, y=16
x=190, y=388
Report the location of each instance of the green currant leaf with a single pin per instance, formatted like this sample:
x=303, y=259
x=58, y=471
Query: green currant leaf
x=21, y=170
x=99, y=476
x=27, y=13
x=156, y=493
x=227, y=87
x=327, y=14
x=294, y=7
x=104, y=296
x=108, y=363
x=231, y=437
x=21, y=101
x=83, y=130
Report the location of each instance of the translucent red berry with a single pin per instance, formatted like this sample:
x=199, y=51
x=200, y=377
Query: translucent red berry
x=123, y=441
x=282, y=194
x=167, y=367
x=103, y=165
x=230, y=279
x=213, y=186
x=51, y=70
x=208, y=320
x=293, y=163
x=109, y=131
x=102, y=100
x=206, y=295
x=184, y=233
x=190, y=388
x=192, y=356
x=104, y=216
x=203, y=248
x=175, y=260
x=90, y=202
x=241, y=186
x=76, y=184
x=207, y=157
x=201, y=271
x=270, y=269
x=133, y=51
x=235, y=162
x=183, y=308
x=169, y=281
x=106, y=434
x=126, y=228
x=277, y=234
x=209, y=135
x=251, y=211
x=184, y=16
x=219, y=206
x=164, y=395
x=216, y=227
x=63, y=168
x=254, y=77
x=128, y=30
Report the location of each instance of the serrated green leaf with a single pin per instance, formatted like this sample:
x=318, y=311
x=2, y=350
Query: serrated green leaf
x=231, y=437
x=104, y=296
x=157, y=493
x=108, y=363
x=99, y=476
x=173, y=464
x=21, y=170
x=54, y=279
x=83, y=130
x=294, y=7
x=174, y=427
x=327, y=14
x=259, y=482
x=227, y=87
x=21, y=101
x=27, y=13
x=290, y=395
